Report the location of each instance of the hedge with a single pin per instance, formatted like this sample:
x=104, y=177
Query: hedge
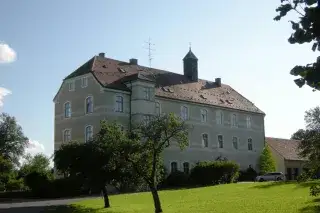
x=214, y=172
x=248, y=175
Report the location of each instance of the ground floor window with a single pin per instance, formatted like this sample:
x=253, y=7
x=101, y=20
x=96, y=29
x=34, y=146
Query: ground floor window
x=186, y=167
x=174, y=167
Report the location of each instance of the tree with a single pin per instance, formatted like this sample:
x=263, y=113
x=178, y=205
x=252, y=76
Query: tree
x=98, y=161
x=298, y=135
x=6, y=168
x=12, y=139
x=267, y=162
x=38, y=163
x=145, y=146
x=305, y=30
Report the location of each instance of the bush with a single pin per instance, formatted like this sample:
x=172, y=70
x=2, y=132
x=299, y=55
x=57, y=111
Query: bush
x=14, y=185
x=248, y=175
x=216, y=172
x=176, y=179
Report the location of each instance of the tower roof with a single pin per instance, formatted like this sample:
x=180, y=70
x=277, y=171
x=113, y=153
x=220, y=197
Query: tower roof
x=190, y=55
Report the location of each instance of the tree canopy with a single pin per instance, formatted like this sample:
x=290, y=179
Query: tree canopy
x=306, y=29
x=12, y=140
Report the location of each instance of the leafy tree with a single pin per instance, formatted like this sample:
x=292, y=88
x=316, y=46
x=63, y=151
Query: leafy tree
x=12, y=139
x=298, y=135
x=6, y=168
x=98, y=161
x=267, y=162
x=146, y=145
x=37, y=163
x=306, y=29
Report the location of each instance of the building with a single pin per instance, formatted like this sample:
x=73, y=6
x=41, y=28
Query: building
x=224, y=122
x=286, y=155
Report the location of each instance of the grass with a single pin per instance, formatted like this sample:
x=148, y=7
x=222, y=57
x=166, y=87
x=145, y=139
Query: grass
x=242, y=197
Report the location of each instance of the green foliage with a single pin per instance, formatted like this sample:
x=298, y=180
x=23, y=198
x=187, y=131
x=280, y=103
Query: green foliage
x=214, y=172
x=12, y=140
x=248, y=175
x=267, y=162
x=315, y=190
x=305, y=30
x=177, y=179
x=298, y=135
x=37, y=182
x=15, y=184
x=38, y=163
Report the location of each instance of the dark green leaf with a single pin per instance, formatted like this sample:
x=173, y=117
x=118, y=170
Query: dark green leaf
x=314, y=46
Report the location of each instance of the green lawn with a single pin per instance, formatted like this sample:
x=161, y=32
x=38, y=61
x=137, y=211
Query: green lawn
x=241, y=197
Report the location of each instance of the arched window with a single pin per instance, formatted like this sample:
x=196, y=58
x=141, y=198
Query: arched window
x=119, y=103
x=174, y=167
x=235, y=142
x=234, y=120
x=219, y=117
x=205, y=141
x=67, y=135
x=186, y=167
x=88, y=133
x=250, y=146
x=67, y=110
x=89, y=104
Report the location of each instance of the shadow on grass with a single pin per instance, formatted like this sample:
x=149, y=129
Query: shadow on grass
x=312, y=208
x=57, y=209
x=281, y=183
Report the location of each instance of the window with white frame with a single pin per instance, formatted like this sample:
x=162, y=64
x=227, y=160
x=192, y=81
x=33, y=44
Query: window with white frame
x=250, y=146
x=234, y=120
x=186, y=167
x=220, y=141
x=204, y=115
x=205, y=141
x=219, y=117
x=146, y=93
x=67, y=110
x=174, y=167
x=146, y=119
x=71, y=86
x=158, y=110
x=88, y=133
x=67, y=135
x=235, y=142
x=119, y=103
x=248, y=122
x=84, y=82
x=184, y=113
x=89, y=104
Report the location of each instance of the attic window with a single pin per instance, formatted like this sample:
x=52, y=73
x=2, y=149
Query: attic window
x=121, y=70
x=202, y=96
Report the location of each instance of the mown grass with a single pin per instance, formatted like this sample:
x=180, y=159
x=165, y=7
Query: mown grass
x=241, y=197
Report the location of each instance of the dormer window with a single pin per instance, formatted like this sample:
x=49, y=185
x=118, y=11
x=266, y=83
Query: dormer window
x=84, y=82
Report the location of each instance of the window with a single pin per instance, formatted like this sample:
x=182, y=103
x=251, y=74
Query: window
x=234, y=120
x=146, y=119
x=204, y=114
x=158, y=111
x=174, y=167
x=205, y=140
x=186, y=167
x=119, y=103
x=89, y=133
x=220, y=141
x=89, y=104
x=219, y=118
x=67, y=135
x=250, y=144
x=248, y=122
x=184, y=113
x=71, y=86
x=84, y=82
x=146, y=92
x=235, y=142
x=67, y=110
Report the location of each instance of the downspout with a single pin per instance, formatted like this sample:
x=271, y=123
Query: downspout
x=130, y=114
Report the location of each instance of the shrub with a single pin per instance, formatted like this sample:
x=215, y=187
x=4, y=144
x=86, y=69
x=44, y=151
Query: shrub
x=177, y=179
x=38, y=183
x=14, y=184
x=248, y=175
x=267, y=163
x=216, y=172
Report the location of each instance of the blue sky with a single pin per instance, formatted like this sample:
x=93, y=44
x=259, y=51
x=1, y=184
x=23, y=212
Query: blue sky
x=235, y=40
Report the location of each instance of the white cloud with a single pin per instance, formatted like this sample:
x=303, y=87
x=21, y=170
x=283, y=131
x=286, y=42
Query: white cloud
x=7, y=54
x=34, y=147
x=3, y=92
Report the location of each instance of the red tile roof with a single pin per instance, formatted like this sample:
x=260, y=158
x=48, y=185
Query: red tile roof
x=113, y=73
x=287, y=148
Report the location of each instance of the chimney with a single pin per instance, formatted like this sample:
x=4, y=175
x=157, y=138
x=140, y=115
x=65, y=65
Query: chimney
x=101, y=55
x=133, y=61
x=218, y=82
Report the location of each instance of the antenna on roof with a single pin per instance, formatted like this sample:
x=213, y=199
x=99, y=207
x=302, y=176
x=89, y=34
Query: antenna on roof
x=150, y=50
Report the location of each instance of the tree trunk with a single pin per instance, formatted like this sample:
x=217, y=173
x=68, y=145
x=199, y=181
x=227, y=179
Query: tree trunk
x=156, y=199
x=105, y=197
